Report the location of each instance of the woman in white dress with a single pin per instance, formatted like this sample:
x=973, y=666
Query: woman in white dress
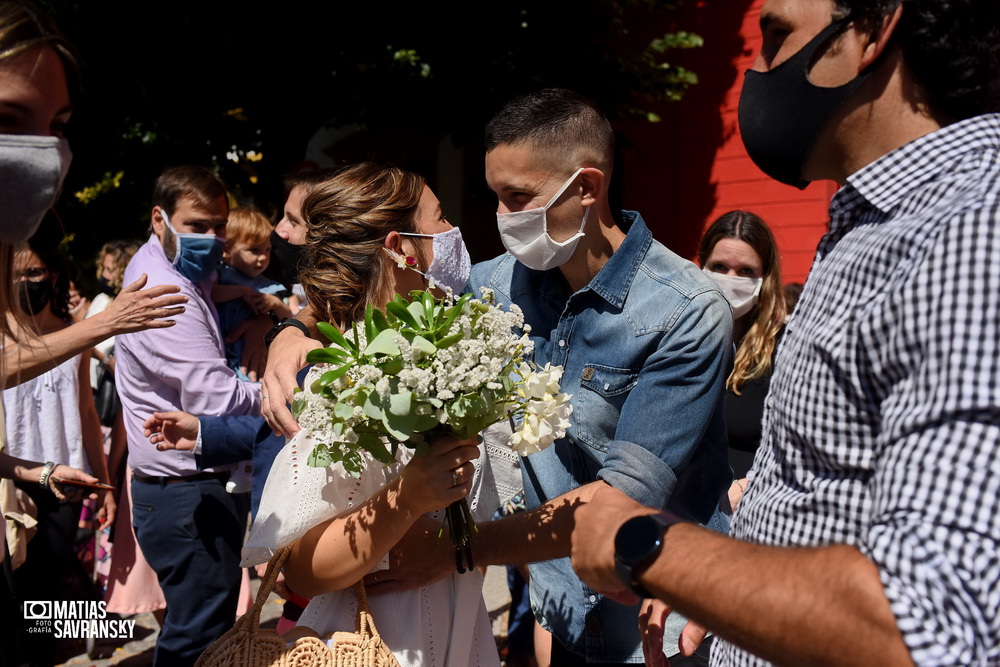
x=372, y=234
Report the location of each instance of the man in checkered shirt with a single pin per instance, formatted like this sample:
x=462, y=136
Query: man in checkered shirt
x=869, y=531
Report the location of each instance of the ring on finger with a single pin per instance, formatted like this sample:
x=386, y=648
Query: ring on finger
x=455, y=481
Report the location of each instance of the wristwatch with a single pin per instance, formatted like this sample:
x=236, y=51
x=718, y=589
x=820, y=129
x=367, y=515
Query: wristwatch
x=637, y=544
x=287, y=322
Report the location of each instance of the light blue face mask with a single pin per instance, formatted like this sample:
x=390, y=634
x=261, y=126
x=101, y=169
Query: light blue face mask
x=197, y=255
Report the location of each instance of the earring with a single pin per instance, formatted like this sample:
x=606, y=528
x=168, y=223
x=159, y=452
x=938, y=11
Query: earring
x=403, y=262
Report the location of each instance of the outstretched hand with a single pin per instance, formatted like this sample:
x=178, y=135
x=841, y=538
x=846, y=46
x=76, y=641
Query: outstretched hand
x=172, y=430
x=285, y=358
x=136, y=309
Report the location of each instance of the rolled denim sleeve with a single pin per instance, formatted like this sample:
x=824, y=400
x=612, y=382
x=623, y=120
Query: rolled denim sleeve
x=670, y=440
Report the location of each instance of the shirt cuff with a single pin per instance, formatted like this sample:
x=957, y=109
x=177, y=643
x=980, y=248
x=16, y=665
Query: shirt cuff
x=197, y=442
x=638, y=473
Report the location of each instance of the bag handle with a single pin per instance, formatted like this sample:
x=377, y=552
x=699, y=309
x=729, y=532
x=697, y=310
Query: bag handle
x=268, y=582
x=364, y=624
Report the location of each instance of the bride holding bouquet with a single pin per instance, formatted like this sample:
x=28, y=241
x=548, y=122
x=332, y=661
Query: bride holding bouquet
x=375, y=232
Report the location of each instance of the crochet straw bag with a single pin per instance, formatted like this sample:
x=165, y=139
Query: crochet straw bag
x=249, y=645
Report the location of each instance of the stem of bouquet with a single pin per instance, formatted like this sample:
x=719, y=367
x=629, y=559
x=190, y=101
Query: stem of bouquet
x=461, y=527
x=458, y=521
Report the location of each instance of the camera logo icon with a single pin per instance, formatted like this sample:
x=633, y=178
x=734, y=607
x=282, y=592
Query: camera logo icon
x=37, y=610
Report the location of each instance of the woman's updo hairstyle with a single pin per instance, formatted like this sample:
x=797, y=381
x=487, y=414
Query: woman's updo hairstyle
x=348, y=217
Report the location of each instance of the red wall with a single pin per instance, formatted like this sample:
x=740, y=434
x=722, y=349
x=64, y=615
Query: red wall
x=691, y=167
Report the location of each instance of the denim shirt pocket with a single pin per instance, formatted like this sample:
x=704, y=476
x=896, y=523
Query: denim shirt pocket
x=597, y=408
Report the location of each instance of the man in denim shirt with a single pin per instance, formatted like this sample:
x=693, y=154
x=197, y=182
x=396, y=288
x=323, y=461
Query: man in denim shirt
x=645, y=343
x=645, y=340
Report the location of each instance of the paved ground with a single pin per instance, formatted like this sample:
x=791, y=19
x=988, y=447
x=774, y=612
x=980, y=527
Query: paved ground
x=139, y=651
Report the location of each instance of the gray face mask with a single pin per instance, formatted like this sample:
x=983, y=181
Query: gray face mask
x=32, y=170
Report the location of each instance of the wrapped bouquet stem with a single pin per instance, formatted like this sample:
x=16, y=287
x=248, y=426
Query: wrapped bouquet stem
x=425, y=367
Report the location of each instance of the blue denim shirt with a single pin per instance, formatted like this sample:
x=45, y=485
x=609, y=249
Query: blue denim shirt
x=646, y=348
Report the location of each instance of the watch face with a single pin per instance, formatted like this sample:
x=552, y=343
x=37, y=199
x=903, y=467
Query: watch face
x=639, y=538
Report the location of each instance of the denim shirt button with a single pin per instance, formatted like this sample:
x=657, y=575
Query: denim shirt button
x=593, y=598
x=562, y=343
x=588, y=373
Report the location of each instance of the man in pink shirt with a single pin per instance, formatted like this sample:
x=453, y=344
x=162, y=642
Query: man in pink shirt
x=189, y=528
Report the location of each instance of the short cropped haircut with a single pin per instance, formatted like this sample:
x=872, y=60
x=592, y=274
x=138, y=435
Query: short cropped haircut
x=557, y=121
x=202, y=185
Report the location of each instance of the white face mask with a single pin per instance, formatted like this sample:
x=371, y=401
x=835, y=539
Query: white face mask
x=741, y=292
x=451, y=265
x=32, y=170
x=526, y=237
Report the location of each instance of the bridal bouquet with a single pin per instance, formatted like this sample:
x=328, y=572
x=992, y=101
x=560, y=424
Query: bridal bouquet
x=422, y=368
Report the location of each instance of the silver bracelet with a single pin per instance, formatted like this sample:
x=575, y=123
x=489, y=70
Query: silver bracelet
x=43, y=479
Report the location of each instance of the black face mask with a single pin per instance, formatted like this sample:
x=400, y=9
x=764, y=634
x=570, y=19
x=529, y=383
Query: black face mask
x=289, y=257
x=781, y=113
x=106, y=286
x=35, y=296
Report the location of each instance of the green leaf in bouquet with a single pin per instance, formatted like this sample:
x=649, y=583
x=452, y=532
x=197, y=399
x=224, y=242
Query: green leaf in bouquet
x=373, y=444
x=384, y=343
x=429, y=305
x=467, y=406
x=297, y=408
x=320, y=457
x=337, y=338
x=370, y=331
x=398, y=310
x=399, y=427
x=425, y=423
x=392, y=365
x=379, y=320
x=448, y=341
x=373, y=406
x=423, y=345
x=401, y=404
x=450, y=315
x=349, y=395
x=343, y=410
x=326, y=355
x=418, y=313
x=329, y=377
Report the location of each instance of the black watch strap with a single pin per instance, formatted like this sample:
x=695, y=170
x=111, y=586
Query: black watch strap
x=637, y=544
x=287, y=322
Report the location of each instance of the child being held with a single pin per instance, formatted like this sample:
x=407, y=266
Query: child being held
x=241, y=291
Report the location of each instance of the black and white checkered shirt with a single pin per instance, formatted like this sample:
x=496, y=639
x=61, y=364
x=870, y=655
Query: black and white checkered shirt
x=882, y=426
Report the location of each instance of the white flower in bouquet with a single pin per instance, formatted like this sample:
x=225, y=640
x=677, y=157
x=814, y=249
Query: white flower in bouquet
x=546, y=410
x=424, y=368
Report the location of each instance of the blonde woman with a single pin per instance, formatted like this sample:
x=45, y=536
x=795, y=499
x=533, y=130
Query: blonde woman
x=738, y=251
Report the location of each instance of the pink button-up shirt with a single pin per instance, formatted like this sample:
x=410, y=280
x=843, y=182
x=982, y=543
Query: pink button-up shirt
x=182, y=367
